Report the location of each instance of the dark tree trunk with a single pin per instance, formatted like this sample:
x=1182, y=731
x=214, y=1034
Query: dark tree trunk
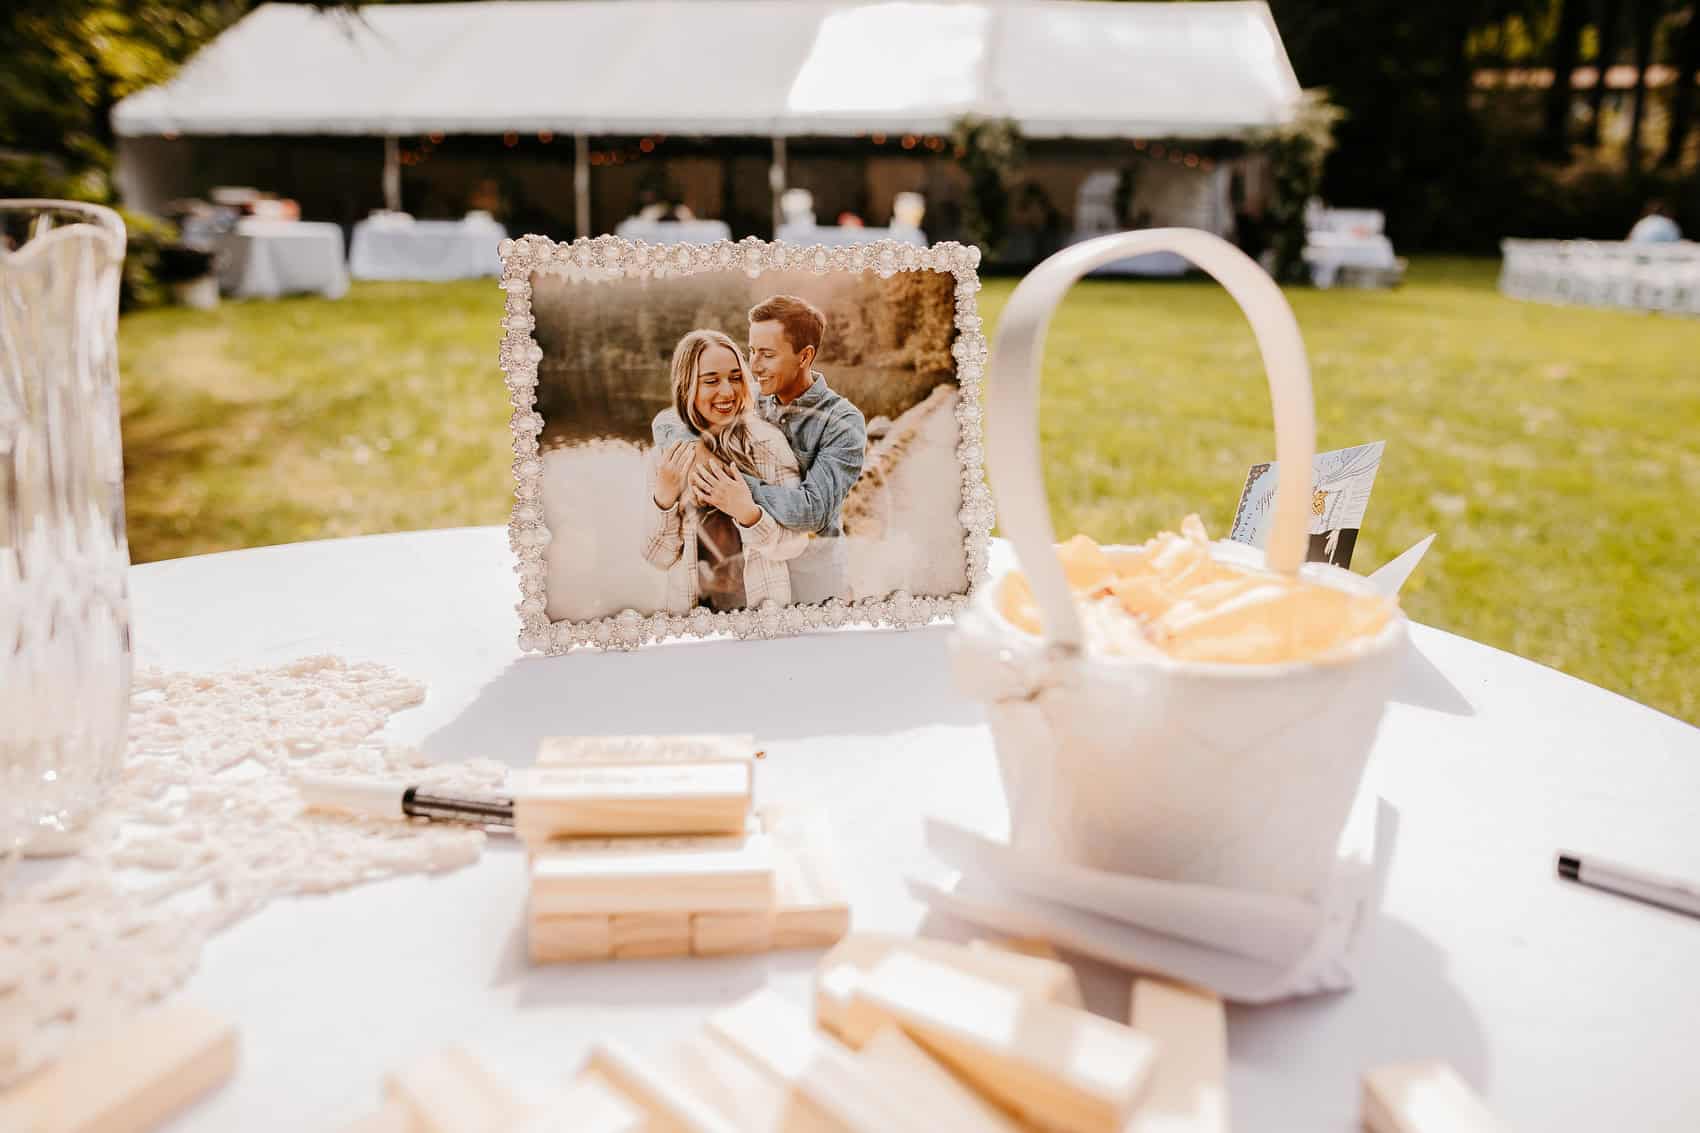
x=1645, y=14
x=1566, y=46
x=1682, y=103
x=1609, y=23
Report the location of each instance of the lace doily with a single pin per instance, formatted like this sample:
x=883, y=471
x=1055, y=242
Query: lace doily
x=204, y=829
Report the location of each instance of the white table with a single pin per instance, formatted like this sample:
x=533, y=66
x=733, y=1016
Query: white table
x=1569, y=1009
x=840, y=235
x=263, y=259
x=1328, y=253
x=673, y=231
x=425, y=249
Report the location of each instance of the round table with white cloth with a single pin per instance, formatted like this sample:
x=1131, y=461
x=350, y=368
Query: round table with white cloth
x=425, y=249
x=1329, y=252
x=263, y=259
x=1566, y=1008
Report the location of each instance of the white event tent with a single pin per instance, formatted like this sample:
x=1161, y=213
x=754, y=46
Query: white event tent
x=746, y=68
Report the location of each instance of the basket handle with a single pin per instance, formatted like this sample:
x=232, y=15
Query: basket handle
x=1012, y=403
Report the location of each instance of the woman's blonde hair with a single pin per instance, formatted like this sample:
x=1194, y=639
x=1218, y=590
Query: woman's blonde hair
x=734, y=443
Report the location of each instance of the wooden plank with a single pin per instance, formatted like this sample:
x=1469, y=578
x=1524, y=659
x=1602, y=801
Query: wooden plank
x=454, y=1091
x=926, y=1089
x=1188, y=1092
x=774, y=1034
x=1068, y=990
x=654, y=877
x=706, y=748
x=812, y=910
x=637, y=935
x=671, y=1107
x=1054, y=1065
x=1424, y=1097
x=744, y=1094
x=130, y=1079
x=1021, y=946
x=568, y=800
x=862, y=952
x=809, y=909
x=732, y=933
x=589, y=1105
x=572, y=939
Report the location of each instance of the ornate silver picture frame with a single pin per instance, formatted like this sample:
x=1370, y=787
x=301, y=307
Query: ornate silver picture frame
x=809, y=416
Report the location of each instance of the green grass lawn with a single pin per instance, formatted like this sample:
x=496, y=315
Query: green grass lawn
x=1556, y=451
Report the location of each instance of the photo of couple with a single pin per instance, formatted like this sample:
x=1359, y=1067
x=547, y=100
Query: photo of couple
x=777, y=537
x=733, y=443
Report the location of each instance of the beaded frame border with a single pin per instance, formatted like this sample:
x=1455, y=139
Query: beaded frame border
x=528, y=534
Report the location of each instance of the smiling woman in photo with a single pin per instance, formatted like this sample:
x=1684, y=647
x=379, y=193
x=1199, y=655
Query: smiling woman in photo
x=719, y=548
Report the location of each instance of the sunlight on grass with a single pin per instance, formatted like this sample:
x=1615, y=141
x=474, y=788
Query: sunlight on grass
x=1554, y=450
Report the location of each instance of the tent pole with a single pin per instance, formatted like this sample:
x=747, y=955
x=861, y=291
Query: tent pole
x=776, y=181
x=392, y=173
x=581, y=184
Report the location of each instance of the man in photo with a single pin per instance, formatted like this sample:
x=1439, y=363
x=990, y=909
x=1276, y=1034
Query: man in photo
x=827, y=433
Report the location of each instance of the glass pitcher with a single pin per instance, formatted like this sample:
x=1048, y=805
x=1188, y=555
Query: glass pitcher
x=64, y=605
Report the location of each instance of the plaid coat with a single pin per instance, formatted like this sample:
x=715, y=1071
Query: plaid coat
x=672, y=542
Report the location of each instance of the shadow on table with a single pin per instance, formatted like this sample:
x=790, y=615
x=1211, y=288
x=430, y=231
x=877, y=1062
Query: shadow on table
x=1423, y=685
x=854, y=682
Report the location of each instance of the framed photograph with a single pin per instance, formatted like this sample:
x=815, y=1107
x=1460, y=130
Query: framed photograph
x=752, y=439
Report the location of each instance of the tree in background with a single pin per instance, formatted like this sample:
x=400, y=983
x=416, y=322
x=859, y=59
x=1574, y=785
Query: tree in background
x=1643, y=21
x=1566, y=51
x=1455, y=166
x=1297, y=153
x=64, y=64
x=1608, y=22
x=990, y=151
x=1682, y=102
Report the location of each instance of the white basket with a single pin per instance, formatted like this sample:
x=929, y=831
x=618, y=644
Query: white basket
x=1219, y=774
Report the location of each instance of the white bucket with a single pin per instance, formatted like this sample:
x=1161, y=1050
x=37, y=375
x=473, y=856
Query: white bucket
x=1220, y=774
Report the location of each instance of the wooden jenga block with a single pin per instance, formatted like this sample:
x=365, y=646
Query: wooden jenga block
x=861, y=952
x=774, y=1035
x=589, y=1105
x=1424, y=1097
x=392, y=1118
x=809, y=910
x=744, y=1094
x=653, y=875
x=637, y=935
x=574, y=800
x=1068, y=991
x=922, y=1086
x=131, y=1079
x=812, y=910
x=732, y=933
x=1188, y=1091
x=732, y=748
x=671, y=1107
x=453, y=1091
x=1056, y=1066
x=571, y=939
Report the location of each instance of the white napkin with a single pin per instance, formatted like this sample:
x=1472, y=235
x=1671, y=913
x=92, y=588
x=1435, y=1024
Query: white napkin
x=1247, y=947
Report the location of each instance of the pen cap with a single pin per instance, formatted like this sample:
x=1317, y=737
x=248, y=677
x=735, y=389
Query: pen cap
x=375, y=797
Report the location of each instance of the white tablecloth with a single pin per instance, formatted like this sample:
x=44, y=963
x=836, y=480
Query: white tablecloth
x=1566, y=1008
x=1328, y=252
x=425, y=249
x=674, y=231
x=263, y=259
x=839, y=235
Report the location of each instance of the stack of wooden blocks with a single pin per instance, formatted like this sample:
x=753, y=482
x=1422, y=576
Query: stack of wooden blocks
x=911, y=1036
x=650, y=846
